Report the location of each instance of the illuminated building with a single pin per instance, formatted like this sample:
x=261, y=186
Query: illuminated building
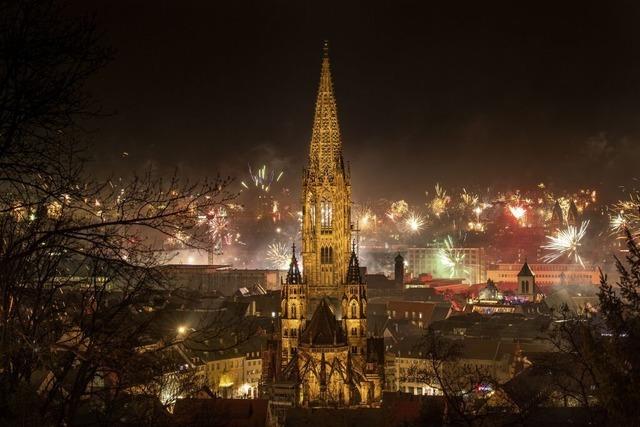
x=234, y=373
x=325, y=355
x=472, y=266
x=546, y=274
x=414, y=368
x=326, y=200
x=526, y=282
x=222, y=278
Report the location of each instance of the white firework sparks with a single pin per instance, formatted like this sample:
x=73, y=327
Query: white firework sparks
x=278, y=255
x=217, y=221
x=617, y=223
x=452, y=259
x=627, y=217
x=413, y=223
x=566, y=243
x=518, y=212
x=365, y=217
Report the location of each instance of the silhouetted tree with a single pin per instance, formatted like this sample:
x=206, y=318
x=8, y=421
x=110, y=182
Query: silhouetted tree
x=82, y=325
x=604, y=347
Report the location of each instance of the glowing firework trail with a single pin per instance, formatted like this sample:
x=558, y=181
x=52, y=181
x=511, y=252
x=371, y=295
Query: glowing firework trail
x=414, y=223
x=439, y=203
x=278, y=255
x=469, y=200
x=567, y=242
x=452, y=259
x=262, y=178
x=618, y=223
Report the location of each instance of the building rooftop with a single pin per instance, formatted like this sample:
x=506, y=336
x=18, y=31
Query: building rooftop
x=323, y=329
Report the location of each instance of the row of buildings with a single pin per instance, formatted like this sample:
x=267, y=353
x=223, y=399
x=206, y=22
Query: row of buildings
x=473, y=268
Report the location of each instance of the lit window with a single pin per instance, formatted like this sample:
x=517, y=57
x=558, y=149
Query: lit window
x=312, y=213
x=326, y=255
x=326, y=214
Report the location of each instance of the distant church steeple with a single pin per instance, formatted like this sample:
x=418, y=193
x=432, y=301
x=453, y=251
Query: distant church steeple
x=572, y=215
x=557, y=221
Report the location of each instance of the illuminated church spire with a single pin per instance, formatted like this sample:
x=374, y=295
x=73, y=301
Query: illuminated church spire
x=326, y=198
x=325, y=155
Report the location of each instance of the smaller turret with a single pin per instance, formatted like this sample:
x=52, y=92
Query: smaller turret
x=399, y=271
x=353, y=272
x=293, y=308
x=557, y=221
x=572, y=215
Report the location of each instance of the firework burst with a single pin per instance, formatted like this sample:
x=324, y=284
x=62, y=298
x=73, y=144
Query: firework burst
x=627, y=216
x=452, y=259
x=617, y=223
x=566, y=243
x=469, y=200
x=365, y=218
x=518, y=212
x=413, y=223
x=439, y=203
x=397, y=210
x=263, y=178
x=278, y=254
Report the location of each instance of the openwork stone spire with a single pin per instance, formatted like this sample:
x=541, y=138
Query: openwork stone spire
x=326, y=147
x=293, y=275
x=353, y=273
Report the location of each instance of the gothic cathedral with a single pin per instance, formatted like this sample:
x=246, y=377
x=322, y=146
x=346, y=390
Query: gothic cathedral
x=323, y=351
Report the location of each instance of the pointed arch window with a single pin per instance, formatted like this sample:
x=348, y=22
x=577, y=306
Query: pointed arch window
x=293, y=311
x=326, y=215
x=312, y=216
x=326, y=255
x=354, y=310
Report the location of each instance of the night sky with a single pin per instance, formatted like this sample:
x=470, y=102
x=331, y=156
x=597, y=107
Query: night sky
x=463, y=93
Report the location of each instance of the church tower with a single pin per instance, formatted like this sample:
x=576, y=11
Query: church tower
x=326, y=200
x=293, y=309
x=557, y=221
x=354, y=307
x=327, y=357
x=527, y=282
